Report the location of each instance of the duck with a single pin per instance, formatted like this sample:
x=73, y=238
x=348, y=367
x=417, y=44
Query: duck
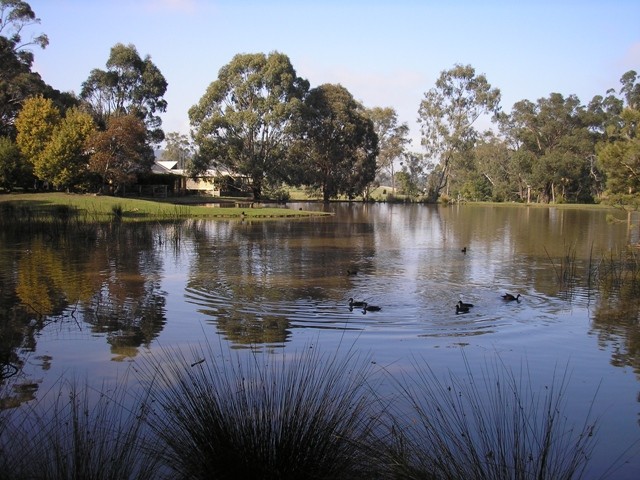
x=370, y=308
x=460, y=309
x=352, y=272
x=465, y=305
x=464, y=250
x=507, y=297
x=353, y=303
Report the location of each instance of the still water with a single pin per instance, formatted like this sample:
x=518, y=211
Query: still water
x=93, y=301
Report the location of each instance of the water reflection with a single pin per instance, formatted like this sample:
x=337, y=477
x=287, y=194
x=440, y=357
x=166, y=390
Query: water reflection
x=261, y=283
x=107, y=282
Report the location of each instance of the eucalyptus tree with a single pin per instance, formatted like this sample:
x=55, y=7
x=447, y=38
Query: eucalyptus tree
x=17, y=81
x=130, y=85
x=179, y=149
x=447, y=115
x=392, y=139
x=558, y=133
x=338, y=145
x=618, y=153
x=244, y=119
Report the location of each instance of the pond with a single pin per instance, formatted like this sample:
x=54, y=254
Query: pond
x=90, y=302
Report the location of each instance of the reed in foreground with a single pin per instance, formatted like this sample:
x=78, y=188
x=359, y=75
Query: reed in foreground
x=80, y=434
x=491, y=427
x=280, y=417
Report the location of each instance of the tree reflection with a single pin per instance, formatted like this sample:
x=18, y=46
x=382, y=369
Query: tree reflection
x=616, y=321
x=109, y=280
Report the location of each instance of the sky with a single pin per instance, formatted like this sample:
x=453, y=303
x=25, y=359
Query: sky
x=386, y=53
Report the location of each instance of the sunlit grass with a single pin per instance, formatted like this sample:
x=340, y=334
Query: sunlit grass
x=100, y=208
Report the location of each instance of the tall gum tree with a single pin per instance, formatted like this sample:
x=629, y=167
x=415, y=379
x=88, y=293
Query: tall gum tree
x=447, y=115
x=243, y=121
x=392, y=139
x=131, y=85
x=338, y=144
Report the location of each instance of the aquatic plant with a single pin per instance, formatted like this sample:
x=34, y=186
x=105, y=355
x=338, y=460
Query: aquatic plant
x=485, y=425
x=81, y=433
x=306, y=416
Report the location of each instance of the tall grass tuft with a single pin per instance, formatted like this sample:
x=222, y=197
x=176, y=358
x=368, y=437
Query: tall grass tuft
x=81, y=434
x=117, y=211
x=491, y=427
x=565, y=270
x=262, y=417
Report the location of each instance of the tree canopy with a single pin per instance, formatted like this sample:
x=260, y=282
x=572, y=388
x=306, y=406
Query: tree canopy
x=17, y=81
x=447, y=115
x=243, y=120
x=120, y=153
x=130, y=85
x=339, y=145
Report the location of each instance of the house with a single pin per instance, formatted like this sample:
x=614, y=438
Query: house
x=218, y=181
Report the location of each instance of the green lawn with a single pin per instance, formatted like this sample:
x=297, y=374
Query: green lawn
x=103, y=206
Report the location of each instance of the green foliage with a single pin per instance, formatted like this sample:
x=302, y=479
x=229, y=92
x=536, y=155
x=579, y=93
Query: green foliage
x=620, y=158
x=14, y=172
x=447, y=114
x=244, y=118
x=392, y=138
x=337, y=144
x=178, y=149
x=559, y=136
x=17, y=82
x=131, y=85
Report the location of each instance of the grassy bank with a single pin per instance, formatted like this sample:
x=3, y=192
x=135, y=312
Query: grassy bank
x=99, y=208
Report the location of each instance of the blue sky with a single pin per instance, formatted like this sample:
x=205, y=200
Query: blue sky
x=386, y=53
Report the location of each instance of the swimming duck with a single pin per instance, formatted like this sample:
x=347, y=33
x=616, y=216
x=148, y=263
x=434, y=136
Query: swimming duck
x=352, y=272
x=507, y=297
x=352, y=303
x=370, y=308
x=460, y=309
x=464, y=250
x=465, y=305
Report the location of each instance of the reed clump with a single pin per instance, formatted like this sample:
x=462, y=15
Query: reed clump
x=208, y=414
x=491, y=426
x=305, y=417
x=82, y=434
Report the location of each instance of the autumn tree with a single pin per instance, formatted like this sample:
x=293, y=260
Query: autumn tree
x=35, y=125
x=243, y=120
x=338, y=144
x=447, y=115
x=65, y=158
x=130, y=85
x=119, y=154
